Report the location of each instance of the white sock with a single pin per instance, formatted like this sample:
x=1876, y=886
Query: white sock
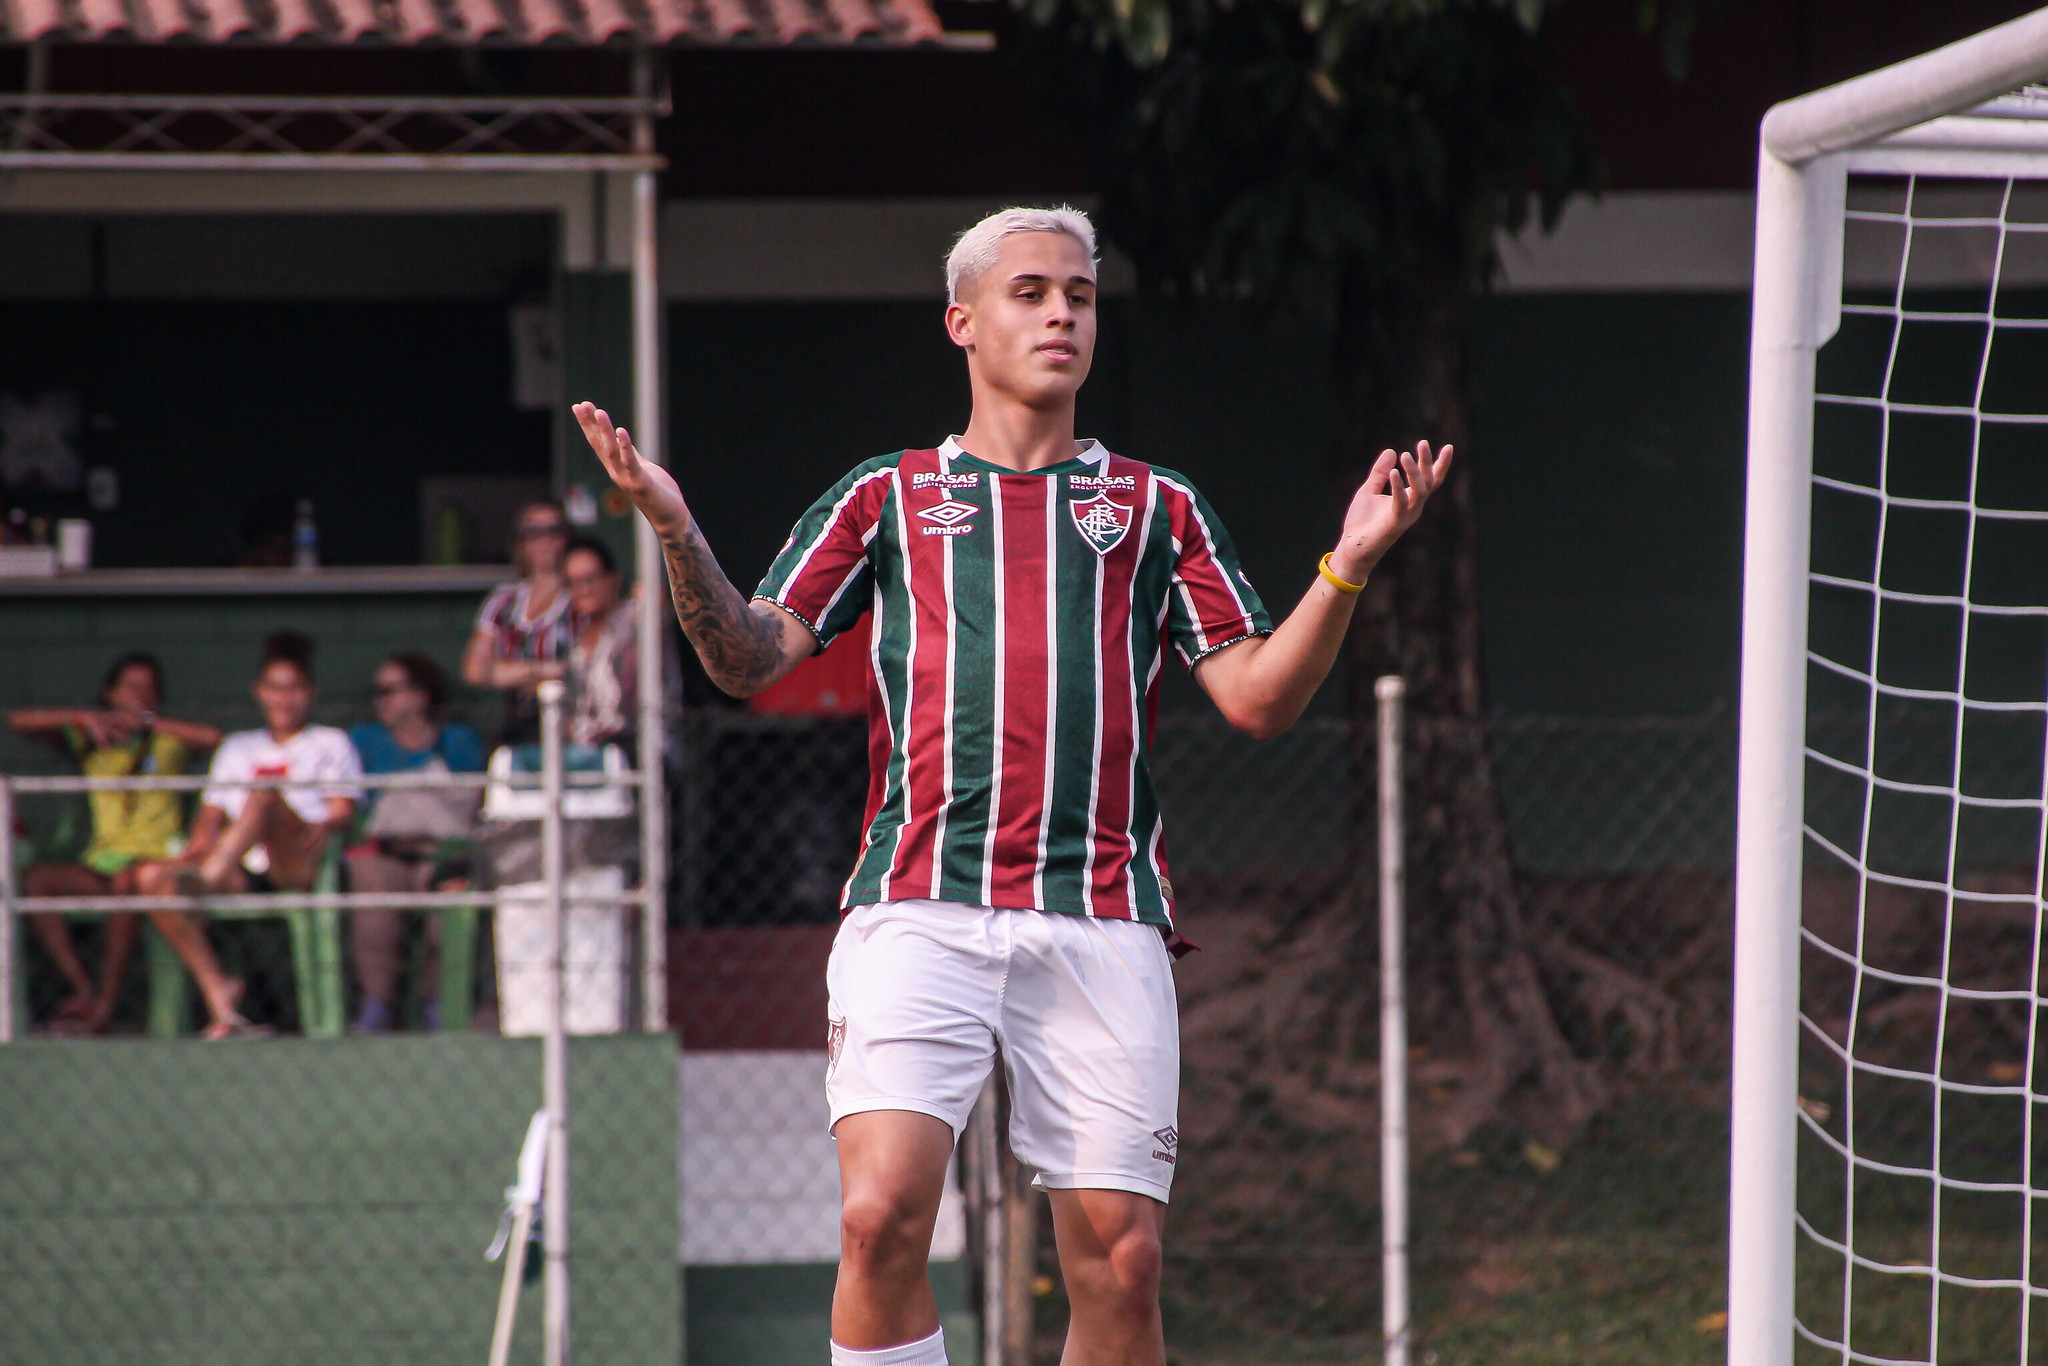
x=929, y=1351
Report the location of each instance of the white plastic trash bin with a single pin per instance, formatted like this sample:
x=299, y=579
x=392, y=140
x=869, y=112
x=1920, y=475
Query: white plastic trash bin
x=594, y=951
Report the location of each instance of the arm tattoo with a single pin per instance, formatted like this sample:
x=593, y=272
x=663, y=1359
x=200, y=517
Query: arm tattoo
x=741, y=649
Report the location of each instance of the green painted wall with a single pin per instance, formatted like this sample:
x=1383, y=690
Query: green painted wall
x=1607, y=438
x=295, y=1201
x=782, y=1315
x=597, y=365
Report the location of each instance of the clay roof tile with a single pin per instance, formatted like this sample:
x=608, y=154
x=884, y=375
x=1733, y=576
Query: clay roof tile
x=510, y=21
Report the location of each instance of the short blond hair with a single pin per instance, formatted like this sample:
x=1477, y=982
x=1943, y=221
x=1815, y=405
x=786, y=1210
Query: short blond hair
x=974, y=251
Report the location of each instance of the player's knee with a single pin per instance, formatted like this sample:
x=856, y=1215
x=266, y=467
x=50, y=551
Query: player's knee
x=880, y=1227
x=1134, y=1267
x=1123, y=1277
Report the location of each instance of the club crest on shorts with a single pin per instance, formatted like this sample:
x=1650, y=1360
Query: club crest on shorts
x=1102, y=523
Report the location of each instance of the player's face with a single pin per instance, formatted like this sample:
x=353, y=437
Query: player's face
x=1028, y=324
x=286, y=697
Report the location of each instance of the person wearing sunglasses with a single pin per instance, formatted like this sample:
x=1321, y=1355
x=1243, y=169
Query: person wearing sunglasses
x=410, y=835
x=523, y=630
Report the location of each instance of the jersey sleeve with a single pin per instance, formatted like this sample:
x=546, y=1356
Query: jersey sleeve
x=824, y=577
x=1211, y=603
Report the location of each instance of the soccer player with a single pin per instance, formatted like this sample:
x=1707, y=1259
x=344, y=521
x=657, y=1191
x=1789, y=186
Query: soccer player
x=1011, y=895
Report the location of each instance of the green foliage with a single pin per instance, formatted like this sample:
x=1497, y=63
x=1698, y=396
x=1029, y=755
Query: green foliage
x=1294, y=150
x=1672, y=23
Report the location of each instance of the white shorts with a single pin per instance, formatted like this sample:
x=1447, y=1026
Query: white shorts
x=923, y=993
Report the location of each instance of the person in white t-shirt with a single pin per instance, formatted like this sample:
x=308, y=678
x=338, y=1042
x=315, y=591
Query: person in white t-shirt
x=277, y=834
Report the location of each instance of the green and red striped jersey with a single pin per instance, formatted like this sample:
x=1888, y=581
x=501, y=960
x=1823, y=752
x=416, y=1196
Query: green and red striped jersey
x=1020, y=621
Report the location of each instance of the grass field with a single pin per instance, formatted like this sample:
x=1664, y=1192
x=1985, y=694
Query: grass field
x=1612, y=1251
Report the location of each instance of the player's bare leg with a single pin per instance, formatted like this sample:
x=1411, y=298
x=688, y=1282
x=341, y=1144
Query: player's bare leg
x=1109, y=1258
x=892, y=1171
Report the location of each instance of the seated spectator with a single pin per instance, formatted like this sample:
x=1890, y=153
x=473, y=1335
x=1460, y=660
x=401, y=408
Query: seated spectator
x=522, y=630
x=123, y=737
x=408, y=831
x=258, y=838
x=604, y=657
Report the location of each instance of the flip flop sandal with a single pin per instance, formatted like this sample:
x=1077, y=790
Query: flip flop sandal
x=236, y=1027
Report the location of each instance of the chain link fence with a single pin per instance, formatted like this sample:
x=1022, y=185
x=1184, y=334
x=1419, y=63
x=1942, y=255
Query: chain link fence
x=275, y=1195
x=1622, y=835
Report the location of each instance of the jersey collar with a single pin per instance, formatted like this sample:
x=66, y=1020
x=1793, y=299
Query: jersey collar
x=1092, y=453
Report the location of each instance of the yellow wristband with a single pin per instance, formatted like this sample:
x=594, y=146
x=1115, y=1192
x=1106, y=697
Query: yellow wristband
x=1340, y=585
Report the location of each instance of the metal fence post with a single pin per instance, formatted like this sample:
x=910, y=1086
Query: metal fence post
x=555, y=1047
x=985, y=1166
x=650, y=573
x=1393, y=1032
x=8, y=1005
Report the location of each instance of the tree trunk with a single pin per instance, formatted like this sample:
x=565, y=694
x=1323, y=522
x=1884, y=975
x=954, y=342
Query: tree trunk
x=1478, y=990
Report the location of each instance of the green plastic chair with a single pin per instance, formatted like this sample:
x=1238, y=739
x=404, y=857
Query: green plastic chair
x=317, y=970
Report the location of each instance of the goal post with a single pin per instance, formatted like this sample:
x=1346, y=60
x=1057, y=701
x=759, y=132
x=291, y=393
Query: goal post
x=1926, y=117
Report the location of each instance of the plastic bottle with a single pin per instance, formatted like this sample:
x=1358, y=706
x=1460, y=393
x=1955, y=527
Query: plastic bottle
x=305, y=538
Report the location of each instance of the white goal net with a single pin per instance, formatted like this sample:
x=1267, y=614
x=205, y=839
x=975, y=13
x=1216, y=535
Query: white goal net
x=1889, y=1161
x=1922, y=1153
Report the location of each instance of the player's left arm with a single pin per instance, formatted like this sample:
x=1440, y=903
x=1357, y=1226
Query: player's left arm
x=1263, y=683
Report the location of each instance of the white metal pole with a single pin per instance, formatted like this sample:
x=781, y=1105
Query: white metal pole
x=649, y=572
x=8, y=927
x=555, y=1046
x=985, y=1164
x=508, y=1287
x=1394, y=1315
x=1795, y=307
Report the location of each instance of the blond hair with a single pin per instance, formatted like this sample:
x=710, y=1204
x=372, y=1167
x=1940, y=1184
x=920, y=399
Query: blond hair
x=974, y=251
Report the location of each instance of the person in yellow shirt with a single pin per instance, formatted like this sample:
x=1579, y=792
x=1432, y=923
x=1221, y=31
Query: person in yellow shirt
x=120, y=738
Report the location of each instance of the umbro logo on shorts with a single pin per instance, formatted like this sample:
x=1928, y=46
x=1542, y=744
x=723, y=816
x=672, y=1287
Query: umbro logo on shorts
x=951, y=516
x=1169, y=1143
x=835, y=1039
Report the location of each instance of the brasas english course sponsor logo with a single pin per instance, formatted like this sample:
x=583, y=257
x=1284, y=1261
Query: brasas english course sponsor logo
x=931, y=479
x=1127, y=483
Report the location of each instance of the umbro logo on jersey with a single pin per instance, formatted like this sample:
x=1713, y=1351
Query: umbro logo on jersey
x=1169, y=1143
x=951, y=517
x=1102, y=523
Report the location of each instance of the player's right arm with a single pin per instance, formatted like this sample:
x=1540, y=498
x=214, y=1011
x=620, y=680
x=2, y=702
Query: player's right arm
x=745, y=646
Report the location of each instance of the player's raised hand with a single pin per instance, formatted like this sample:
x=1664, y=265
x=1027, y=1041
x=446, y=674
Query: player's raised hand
x=1387, y=504
x=652, y=488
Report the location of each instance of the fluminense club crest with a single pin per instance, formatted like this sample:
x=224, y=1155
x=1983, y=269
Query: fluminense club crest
x=1102, y=523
